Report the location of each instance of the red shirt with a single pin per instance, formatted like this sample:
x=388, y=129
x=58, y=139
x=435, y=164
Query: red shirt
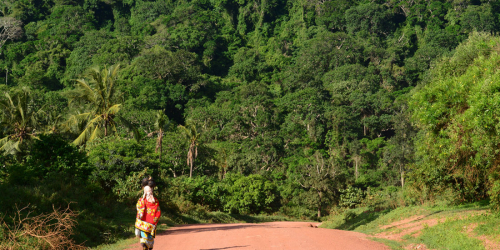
x=147, y=211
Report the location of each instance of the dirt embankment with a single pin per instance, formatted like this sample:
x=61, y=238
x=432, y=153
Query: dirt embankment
x=413, y=226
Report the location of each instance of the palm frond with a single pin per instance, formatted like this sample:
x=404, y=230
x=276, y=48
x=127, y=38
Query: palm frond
x=96, y=133
x=114, y=109
x=127, y=124
x=9, y=99
x=10, y=147
x=83, y=137
x=3, y=141
x=87, y=93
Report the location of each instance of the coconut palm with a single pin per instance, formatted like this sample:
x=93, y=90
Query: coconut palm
x=97, y=92
x=192, y=135
x=162, y=124
x=19, y=120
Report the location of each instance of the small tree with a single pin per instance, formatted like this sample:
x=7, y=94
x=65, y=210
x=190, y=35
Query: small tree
x=19, y=120
x=192, y=135
x=162, y=124
x=98, y=94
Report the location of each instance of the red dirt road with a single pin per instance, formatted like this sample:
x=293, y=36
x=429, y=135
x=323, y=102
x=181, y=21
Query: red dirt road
x=273, y=235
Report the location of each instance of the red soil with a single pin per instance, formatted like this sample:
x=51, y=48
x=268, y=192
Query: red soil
x=273, y=235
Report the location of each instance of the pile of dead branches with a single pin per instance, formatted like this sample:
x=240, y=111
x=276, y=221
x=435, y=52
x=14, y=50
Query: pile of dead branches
x=44, y=231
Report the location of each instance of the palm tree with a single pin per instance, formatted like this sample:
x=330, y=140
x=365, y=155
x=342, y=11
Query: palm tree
x=98, y=93
x=54, y=119
x=192, y=135
x=19, y=120
x=162, y=124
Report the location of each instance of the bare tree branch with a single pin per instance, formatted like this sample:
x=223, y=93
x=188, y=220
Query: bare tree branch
x=10, y=29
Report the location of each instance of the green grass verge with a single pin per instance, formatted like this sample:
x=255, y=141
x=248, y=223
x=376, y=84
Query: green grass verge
x=450, y=235
x=454, y=233
x=394, y=245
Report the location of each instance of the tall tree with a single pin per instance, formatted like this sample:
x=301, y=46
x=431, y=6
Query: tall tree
x=192, y=135
x=317, y=173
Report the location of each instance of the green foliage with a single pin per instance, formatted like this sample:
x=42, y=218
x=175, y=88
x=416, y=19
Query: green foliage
x=251, y=194
x=116, y=159
x=449, y=235
x=457, y=142
x=293, y=101
x=20, y=120
x=351, y=197
x=98, y=97
x=239, y=194
x=52, y=154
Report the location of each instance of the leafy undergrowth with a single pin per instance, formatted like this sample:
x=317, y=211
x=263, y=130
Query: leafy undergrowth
x=470, y=226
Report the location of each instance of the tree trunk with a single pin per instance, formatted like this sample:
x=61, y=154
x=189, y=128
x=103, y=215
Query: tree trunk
x=159, y=142
x=105, y=128
x=173, y=172
x=191, y=169
x=320, y=194
x=191, y=160
x=401, y=170
x=356, y=173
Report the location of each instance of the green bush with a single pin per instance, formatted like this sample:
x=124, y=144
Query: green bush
x=202, y=190
x=53, y=154
x=114, y=159
x=251, y=194
x=351, y=196
x=457, y=142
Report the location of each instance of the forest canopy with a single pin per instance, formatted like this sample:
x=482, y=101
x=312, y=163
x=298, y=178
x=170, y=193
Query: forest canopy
x=312, y=104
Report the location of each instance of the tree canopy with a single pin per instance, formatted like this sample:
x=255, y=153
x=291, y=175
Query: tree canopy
x=302, y=99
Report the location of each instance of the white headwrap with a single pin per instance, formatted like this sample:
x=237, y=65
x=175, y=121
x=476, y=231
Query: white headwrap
x=148, y=194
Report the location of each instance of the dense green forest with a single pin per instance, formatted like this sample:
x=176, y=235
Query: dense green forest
x=286, y=107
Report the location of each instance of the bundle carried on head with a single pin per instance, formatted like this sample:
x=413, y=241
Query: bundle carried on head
x=148, y=184
x=148, y=181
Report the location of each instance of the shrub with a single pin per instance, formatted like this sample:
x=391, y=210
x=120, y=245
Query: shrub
x=351, y=197
x=252, y=194
x=202, y=190
x=114, y=159
x=52, y=154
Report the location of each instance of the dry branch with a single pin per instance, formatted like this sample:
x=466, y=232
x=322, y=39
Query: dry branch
x=44, y=231
x=10, y=29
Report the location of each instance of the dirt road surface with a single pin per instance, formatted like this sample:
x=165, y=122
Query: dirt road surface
x=272, y=235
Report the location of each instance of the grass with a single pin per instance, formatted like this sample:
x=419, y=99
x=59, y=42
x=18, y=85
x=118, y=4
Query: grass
x=394, y=245
x=449, y=235
x=366, y=221
x=461, y=226
x=119, y=245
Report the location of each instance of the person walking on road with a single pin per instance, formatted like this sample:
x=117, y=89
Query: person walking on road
x=148, y=214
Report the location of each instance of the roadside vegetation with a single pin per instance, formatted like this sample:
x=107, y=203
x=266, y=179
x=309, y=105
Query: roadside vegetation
x=246, y=110
x=429, y=226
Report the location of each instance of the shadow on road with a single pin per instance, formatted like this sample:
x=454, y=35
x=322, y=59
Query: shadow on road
x=197, y=228
x=223, y=248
